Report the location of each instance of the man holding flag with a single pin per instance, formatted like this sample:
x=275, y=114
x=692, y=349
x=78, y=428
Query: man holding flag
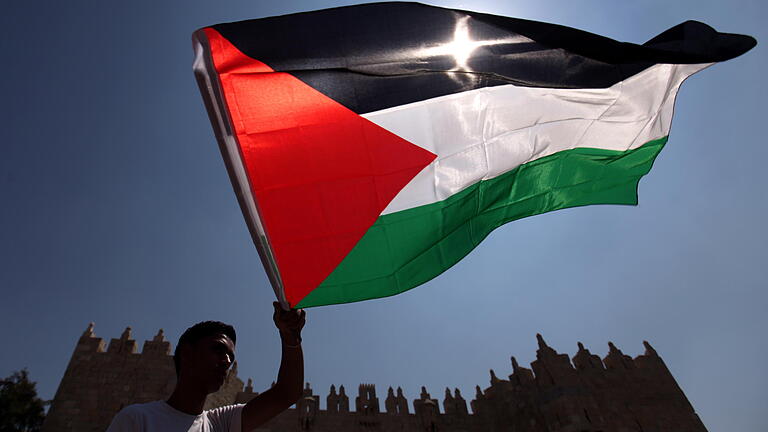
x=203, y=357
x=372, y=147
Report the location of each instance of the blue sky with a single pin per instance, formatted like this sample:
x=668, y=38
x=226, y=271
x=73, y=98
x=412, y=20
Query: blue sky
x=116, y=208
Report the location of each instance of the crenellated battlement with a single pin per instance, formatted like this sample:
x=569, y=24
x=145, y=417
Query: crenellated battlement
x=557, y=392
x=549, y=368
x=366, y=401
x=89, y=343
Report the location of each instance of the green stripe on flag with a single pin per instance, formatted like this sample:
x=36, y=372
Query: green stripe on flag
x=405, y=249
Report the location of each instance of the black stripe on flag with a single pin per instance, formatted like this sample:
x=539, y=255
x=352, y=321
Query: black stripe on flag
x=375, y=56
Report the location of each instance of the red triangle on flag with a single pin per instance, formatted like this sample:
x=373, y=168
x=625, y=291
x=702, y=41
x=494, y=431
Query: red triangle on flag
x=321, y=174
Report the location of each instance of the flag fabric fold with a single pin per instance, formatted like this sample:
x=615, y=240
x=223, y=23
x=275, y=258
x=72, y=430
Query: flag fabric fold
x=372, y=147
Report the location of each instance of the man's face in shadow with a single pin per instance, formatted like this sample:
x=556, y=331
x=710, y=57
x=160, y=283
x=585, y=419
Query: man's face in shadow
x=207, y=361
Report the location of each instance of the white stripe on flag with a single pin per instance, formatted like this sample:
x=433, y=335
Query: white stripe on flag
x=480, y=134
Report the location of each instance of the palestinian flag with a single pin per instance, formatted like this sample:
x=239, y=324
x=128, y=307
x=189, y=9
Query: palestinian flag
x=372, y=147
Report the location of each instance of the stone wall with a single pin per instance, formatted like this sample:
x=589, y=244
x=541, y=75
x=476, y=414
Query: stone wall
x=616, y=393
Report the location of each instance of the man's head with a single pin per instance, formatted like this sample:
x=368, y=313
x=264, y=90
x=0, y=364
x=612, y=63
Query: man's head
x=204, y=354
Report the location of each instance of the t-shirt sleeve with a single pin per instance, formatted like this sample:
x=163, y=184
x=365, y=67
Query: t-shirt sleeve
x=125, y=421
x=227, y=418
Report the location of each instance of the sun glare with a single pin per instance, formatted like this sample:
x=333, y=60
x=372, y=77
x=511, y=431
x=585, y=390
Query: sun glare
x=462, y=46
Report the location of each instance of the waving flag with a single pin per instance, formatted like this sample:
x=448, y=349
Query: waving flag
x=372, y=147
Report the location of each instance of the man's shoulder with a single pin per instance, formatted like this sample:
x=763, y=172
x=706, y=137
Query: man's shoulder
x=141, y=408
x=133, y=417
x=136, y=417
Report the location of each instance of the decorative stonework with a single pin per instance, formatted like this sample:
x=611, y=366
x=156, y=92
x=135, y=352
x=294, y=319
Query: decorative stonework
x=587, y=394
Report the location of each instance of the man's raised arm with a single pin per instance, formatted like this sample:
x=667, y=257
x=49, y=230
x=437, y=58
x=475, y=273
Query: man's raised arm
x=290, y=379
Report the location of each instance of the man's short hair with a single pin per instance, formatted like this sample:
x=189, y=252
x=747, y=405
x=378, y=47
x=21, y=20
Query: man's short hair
x=199, y=331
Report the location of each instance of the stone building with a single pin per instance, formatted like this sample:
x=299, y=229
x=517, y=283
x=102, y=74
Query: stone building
x=557, y=394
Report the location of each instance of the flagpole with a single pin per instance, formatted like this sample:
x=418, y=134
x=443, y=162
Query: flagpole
x=215, y=103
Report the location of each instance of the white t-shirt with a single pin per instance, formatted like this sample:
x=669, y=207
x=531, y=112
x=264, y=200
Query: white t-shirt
x=158, y=416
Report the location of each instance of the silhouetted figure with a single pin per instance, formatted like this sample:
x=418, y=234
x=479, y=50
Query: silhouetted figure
x=203, y=357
